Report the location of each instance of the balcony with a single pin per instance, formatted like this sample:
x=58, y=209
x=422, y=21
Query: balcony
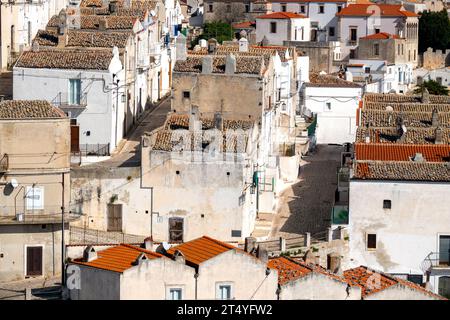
x=438, y=260
x=63, y=100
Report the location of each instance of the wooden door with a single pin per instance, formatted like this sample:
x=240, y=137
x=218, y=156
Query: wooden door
x=75, y=138
x=114, y=215
x=34, y=261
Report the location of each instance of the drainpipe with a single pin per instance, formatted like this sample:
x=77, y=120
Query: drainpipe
x=278, y=292
x=196, y=283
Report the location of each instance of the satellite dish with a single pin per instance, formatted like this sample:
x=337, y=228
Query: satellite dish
x=14, y=183
x=152, y=13
x=166, y=246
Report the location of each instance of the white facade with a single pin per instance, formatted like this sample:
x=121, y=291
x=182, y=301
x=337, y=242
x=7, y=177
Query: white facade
x=97, y=120
x=335, y=108
x=406, y=234
x=294, y=29
x=441, y=75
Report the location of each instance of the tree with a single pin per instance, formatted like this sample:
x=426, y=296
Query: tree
x=433, y=87
x=220, y=31
x=434, y=30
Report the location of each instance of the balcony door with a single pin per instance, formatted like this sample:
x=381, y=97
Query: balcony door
x=444, y=250
x=74, y=91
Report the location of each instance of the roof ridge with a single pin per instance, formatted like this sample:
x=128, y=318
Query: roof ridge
x=130, y=246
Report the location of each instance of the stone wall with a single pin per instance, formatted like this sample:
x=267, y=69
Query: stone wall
x=436, y=59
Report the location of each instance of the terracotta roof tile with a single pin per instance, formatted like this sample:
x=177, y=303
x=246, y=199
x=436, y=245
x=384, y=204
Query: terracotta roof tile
x=371, y=282
x=245, y=25
x=326, y=80
x=46, y=38
x=244, y=64
x=381, y=35
x=386, y=10
x=375, y=118
x=118, y=258
x=288, y=270
x=29, y=109
x=424, y=136
x=201, y=249
x=401, y=152
x=401, y=98
x=77, y=38
x=282, y=15
x=66, y=59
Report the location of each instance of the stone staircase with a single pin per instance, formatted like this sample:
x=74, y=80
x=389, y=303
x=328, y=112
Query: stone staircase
x=263, y=226
x=6, y=85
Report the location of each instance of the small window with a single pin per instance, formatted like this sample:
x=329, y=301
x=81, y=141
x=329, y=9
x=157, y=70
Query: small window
x=367, y=70
x=328, y=106
x=247, y=8
x=228, y=8
x=210, y=7
x=273, y=27
x=224, y=292
x=353, y=34
x=283, y=8
x=175, y=294
x=331, y=31
x=387, y=204
x=186, y=94
x=352, y=53
x=321, y=8
x=377, y=30
x=302, y=9
x=236, y=233
x=376, y=49
x=339, y=8
x=371, y=241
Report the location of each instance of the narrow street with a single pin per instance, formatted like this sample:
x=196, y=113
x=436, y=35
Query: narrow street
x=306, y=205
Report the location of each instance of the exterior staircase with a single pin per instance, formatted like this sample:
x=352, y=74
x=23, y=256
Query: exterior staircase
x=263, y=226
x=6, y=85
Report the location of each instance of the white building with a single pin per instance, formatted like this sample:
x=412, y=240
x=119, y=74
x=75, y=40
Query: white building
x=441, y=76
x=360, y=20
x=278, y=27
x=382, y=77
x=334, y=101
x=322, y=14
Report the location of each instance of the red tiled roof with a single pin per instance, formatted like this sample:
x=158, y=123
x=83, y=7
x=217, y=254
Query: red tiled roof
x=201, y=249
x=288, y=270
x=371, y=281
x=381, y=35
x=386, y=10
x=244, y=25
x=307, y=1
x=401, y=152
x=118, y=258
x=281, y=15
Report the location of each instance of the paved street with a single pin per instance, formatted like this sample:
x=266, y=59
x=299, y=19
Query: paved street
x=40, y=289
x=129, y=155
x=306, y=205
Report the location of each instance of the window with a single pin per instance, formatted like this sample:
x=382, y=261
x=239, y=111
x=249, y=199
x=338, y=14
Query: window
x=387, y=204
x=439, y=80
x=371, y=241
x=30, y=32
x=186, y=94
x=414, y=54
x=210, y=7
x=398, y=49
x=367, y=70
x=321, y=8
x=353, y=34
x=444, y=250
x=283, y=8
x=74, y=91
x=352, y=53
x=247, y=8
x=377, y=30
x=224, y=292
x=416, y=278
x=444, y=286
x=339, y=8
x=228, y=8
x=331, y=31
x=175, y=294
x=302, y=9
x=273, y=27
x=236, y=233
x=34, y=198
x=175, y=229
x=376, y=49
x=328, y=106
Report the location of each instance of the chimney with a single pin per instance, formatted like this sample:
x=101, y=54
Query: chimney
x=89, y=254
x=212, y=45
x=207, y=64
x=334, y=262
x=230, y=64
x=401, y=129
x=425, y=96
x=141, y=258
x=148, y=243
x=264, y=42
x=179, y=257
x=418, y=157
x=309, y=257
x=262, y=254
x=435, y=118
x=194, y=120
x=181, y=47
x=35, y=46
x=162, y=248
x=218, y=121
x=438, y=136
x=112, y=6
x=103, y=24
x=243, y=45
x=250, y=244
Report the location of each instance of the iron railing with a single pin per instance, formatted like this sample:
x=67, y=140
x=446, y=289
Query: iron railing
x=438, y=260
x=98, y=149
x=62, y=100
x=85, y=236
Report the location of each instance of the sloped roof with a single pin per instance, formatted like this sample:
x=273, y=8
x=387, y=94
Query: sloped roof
x=29, y=109
x=282, y=15
x=326, y=80
x=365, y=10
x=401, y=152
x=118, y=258
x=381, y=36
x=201, y=249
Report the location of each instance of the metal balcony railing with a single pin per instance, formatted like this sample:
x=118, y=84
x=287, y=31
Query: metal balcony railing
x=437, y=260
x=62, y=100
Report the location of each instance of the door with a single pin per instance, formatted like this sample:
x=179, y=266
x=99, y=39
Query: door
x=444, y=286
x=444, y=250
x=175, y=229
x=34, y=261
x=114, y=215
x=74, y=138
